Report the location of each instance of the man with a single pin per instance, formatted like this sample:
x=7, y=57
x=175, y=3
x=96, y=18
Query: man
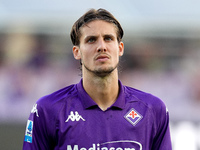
x=98, y=113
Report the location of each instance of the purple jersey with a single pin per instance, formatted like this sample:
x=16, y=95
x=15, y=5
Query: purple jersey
x=70, y=120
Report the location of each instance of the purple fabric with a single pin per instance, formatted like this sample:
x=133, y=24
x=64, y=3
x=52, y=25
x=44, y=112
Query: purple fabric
x=70, y=120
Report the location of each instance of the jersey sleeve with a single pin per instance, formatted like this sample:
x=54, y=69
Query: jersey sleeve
x=162, y=140
x=37, y=135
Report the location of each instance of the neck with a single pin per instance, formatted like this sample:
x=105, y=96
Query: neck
x=103, y=90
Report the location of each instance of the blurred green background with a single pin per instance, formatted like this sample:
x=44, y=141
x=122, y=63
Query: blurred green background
x=12, y=136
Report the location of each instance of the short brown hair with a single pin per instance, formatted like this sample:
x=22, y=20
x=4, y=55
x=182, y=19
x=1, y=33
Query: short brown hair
x=91, y=15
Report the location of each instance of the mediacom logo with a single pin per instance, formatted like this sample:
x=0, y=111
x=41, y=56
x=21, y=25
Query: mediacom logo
x=104, y=146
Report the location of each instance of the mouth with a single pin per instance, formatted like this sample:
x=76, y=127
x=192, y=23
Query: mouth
x=102, y=57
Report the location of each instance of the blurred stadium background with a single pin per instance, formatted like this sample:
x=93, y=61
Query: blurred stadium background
x=162, y=56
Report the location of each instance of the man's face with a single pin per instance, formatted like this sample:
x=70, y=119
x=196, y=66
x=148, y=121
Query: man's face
x=99, y=49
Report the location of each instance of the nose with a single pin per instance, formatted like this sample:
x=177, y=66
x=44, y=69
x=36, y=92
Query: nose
x=101, y=46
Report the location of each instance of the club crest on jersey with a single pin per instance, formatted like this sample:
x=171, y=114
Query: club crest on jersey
x=133, y=116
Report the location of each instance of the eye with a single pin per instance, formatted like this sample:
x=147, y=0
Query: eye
x=108, y=38
x=91, y=40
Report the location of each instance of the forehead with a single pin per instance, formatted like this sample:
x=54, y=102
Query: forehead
x=98, y=27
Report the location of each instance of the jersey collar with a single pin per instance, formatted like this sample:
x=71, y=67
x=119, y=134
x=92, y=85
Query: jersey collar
x=89, y=103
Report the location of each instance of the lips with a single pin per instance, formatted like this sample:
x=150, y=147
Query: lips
x=102, y=57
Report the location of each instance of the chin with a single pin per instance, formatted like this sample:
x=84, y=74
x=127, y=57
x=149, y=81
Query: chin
x=104, y=72
x=101, y=71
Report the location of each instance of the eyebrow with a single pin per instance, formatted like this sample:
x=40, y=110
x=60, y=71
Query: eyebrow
x=96, y=36
x=89, y=37
x=109, y=35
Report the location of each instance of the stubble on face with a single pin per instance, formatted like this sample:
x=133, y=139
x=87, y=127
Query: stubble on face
x=101, y=72
x=96, y=30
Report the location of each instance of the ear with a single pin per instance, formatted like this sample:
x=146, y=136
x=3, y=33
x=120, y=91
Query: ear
x=76, y=52
x=121, y=48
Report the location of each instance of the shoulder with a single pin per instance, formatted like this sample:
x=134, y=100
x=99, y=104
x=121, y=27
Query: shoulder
x=59, y=95
x=57, y=99
x=149, y=100
x=152, y=106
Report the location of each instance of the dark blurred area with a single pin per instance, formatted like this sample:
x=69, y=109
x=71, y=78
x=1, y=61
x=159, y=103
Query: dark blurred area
x=36, y=59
